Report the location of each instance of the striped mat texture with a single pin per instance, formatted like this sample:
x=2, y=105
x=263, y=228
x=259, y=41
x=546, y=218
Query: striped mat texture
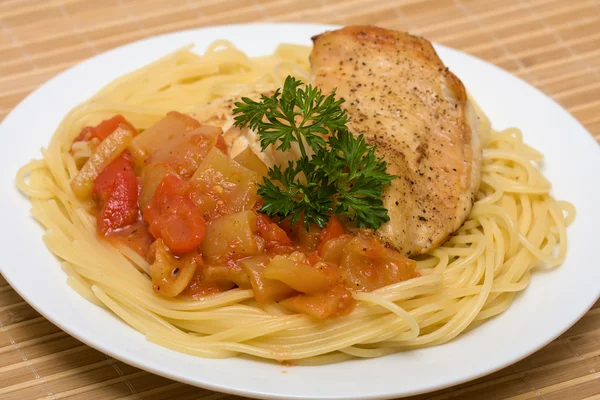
x=553, y=44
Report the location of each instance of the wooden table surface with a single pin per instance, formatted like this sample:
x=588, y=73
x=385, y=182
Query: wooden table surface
x=553, y=44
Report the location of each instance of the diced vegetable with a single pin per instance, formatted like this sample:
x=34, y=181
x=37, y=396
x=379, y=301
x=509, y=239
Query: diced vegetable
x=196, y=287
x=333, y=230
x=230, y=237
x=152, y=176
x=276, y=239
x=172, y=216
x=309, y=240
x=134, y=236
x=221, y=144
x=370, y=266
x=226, y=274
x=116, y=191
x=333, y=250
x=200, y=229
x=250, y=160
x=313, y=258
x=184, y=152
x=335, y=302
x=235, y=184
x=209, y=279
x=105, y=181
x=265, y=290
x=103, y=129
x=170, y=275
x=162, y=132
x=300, y=276
x=107, y=151
x=209, y=202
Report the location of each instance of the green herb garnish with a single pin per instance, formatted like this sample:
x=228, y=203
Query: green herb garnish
x=337, y=172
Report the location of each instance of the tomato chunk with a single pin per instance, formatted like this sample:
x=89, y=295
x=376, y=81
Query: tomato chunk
x=174, y=217
x=103, y=129
x=116, y=190
x=333, y=229
x=221, y=145
x=276, y=239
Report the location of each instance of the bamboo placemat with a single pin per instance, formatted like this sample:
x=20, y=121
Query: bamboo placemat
x=553, y=44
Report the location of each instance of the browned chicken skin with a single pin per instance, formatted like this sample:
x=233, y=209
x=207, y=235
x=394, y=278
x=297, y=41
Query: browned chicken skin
x=405, y=101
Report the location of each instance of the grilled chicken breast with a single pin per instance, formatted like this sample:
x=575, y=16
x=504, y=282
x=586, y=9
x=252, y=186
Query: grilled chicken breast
x=404, y=100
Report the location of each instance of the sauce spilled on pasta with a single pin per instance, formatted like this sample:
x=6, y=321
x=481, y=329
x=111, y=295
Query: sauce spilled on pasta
x=175, y=198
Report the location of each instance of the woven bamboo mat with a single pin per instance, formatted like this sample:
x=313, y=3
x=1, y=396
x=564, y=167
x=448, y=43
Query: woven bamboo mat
x=553, y=44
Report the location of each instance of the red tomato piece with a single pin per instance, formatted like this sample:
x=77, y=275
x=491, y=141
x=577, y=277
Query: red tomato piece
x=313, y=257
x=116, y=191
x=103, y=129
x=221, y=145
x=333, y=229
x=104, y=182
x=174, y=217
x=275, y=237
x=86, y=134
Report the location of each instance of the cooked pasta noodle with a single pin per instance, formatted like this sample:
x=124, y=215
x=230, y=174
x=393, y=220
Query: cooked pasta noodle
x=515, y=226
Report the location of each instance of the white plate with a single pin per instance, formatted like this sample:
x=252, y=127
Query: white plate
x=554, y=301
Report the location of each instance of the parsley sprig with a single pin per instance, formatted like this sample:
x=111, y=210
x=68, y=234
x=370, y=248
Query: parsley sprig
x=342, y=175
